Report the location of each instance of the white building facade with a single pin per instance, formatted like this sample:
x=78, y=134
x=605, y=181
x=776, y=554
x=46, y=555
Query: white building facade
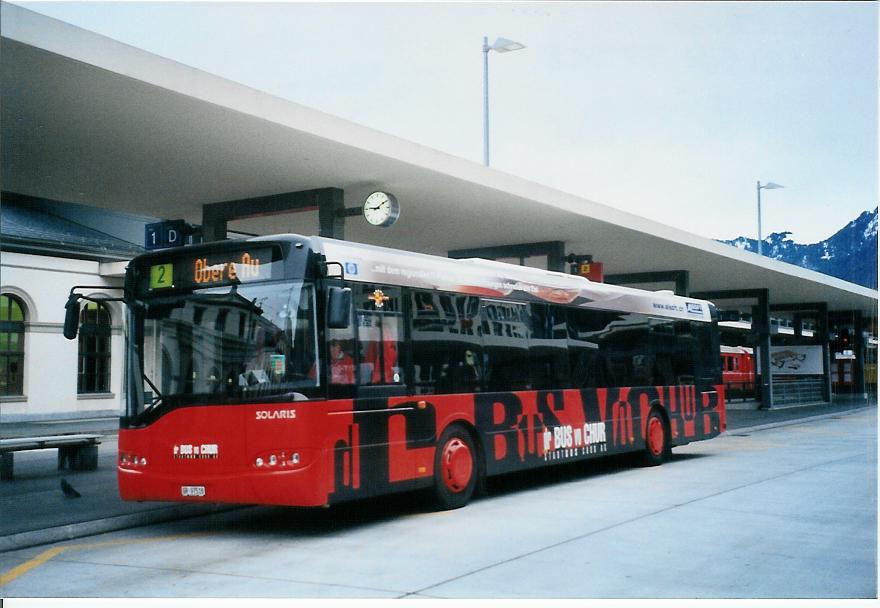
x=44, y=376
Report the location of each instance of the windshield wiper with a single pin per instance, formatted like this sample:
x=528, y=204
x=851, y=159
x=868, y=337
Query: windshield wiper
x=159, y=396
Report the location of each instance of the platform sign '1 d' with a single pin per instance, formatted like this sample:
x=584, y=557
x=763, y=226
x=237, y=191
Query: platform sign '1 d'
x=170, y=233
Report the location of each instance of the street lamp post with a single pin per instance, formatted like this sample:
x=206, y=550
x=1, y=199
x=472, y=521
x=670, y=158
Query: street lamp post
x=501, y=45
x=767, y=186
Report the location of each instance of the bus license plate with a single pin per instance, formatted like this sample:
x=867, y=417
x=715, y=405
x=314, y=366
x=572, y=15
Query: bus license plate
x=192, y=490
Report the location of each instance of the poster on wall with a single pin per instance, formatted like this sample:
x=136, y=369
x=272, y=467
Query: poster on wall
x=796, y=360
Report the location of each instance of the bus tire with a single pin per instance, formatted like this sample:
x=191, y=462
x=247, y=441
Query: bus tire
x=657, y=447
x=455, y=468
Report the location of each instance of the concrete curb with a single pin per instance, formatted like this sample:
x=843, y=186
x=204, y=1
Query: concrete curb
x=25, y=540
x=773, y=425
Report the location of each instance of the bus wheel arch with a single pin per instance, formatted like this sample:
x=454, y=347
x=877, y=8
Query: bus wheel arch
x=658, y=440
x=458, y=466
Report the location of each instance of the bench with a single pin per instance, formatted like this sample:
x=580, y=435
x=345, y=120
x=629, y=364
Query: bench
x=77, y=452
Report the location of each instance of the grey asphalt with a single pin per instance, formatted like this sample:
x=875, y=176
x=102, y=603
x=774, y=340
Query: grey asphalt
x=35, y=511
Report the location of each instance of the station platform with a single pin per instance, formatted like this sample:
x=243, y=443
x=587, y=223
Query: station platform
x=36, y=511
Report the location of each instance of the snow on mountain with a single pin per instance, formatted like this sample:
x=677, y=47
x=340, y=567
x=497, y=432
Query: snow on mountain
x=849, y=254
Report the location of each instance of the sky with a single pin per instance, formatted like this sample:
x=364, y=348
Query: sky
x=672, y=111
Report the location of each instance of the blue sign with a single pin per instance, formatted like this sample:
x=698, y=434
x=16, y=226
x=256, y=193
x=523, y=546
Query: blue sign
x=170, y=233
x=694, y=308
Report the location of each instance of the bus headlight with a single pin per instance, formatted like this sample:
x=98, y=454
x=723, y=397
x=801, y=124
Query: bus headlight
x=278, y=459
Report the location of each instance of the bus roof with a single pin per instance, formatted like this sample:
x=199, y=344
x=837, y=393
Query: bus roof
x=372, y=264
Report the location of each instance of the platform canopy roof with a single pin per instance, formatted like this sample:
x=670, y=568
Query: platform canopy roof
x=90, y=120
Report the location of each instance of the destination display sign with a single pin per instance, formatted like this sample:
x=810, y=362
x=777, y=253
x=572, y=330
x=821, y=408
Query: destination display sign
x=196, y=271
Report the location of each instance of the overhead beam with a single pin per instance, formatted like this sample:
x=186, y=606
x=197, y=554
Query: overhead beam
x=327, y=201
x=681, y=279
x=554, y=250
x=799, y=307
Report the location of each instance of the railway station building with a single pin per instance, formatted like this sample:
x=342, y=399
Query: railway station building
x=89, y=123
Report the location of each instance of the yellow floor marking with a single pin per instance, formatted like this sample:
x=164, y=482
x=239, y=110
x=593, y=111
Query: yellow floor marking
x=42, y=558
x=135, y=541
x=30, y=565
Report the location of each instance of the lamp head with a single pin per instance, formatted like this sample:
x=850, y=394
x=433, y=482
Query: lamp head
x=503, y=45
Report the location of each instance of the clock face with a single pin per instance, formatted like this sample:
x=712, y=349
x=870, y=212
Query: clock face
x=381, y=209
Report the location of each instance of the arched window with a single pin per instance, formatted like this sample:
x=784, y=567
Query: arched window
x=12, y=312
x=94, y=349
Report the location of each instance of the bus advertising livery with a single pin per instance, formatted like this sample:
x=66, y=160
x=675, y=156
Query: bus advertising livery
x=306, y=371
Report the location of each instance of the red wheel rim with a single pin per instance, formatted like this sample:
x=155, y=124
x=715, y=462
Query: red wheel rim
x=456, y=465
x=655, y=435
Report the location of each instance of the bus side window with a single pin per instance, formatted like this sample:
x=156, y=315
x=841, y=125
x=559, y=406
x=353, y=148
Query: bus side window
x=380, y=332
x=706, y=354
x=548, y=347
x=587, y=354
x=505, y=329
x=662, y=333
x=445, y=348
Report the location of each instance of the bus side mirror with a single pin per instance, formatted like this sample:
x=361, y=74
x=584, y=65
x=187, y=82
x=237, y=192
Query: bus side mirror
x=339, y=308
x=71, y=317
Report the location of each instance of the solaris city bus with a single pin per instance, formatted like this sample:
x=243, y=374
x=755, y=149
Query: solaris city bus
x=307, y=371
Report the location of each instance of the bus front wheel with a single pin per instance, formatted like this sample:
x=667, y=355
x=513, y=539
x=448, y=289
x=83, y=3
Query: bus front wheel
x=657, y=447
x=455, y=468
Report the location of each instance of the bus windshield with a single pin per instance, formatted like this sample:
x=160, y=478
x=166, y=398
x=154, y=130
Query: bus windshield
x=229, y=344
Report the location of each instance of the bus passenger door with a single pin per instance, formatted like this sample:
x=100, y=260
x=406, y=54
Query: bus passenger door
x=379, y=376
x=379, y=311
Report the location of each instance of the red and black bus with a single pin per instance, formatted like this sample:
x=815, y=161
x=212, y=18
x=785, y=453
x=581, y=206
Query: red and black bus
x=306, y=371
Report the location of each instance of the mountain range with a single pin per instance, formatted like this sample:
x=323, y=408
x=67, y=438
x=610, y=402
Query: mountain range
x=849, y=254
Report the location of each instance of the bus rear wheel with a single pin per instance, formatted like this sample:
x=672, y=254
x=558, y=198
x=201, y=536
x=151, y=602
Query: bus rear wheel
x=657, y=447
x=455, y=469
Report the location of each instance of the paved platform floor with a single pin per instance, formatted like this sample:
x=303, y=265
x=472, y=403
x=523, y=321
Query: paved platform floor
x=36, y=511
x=788, y=511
